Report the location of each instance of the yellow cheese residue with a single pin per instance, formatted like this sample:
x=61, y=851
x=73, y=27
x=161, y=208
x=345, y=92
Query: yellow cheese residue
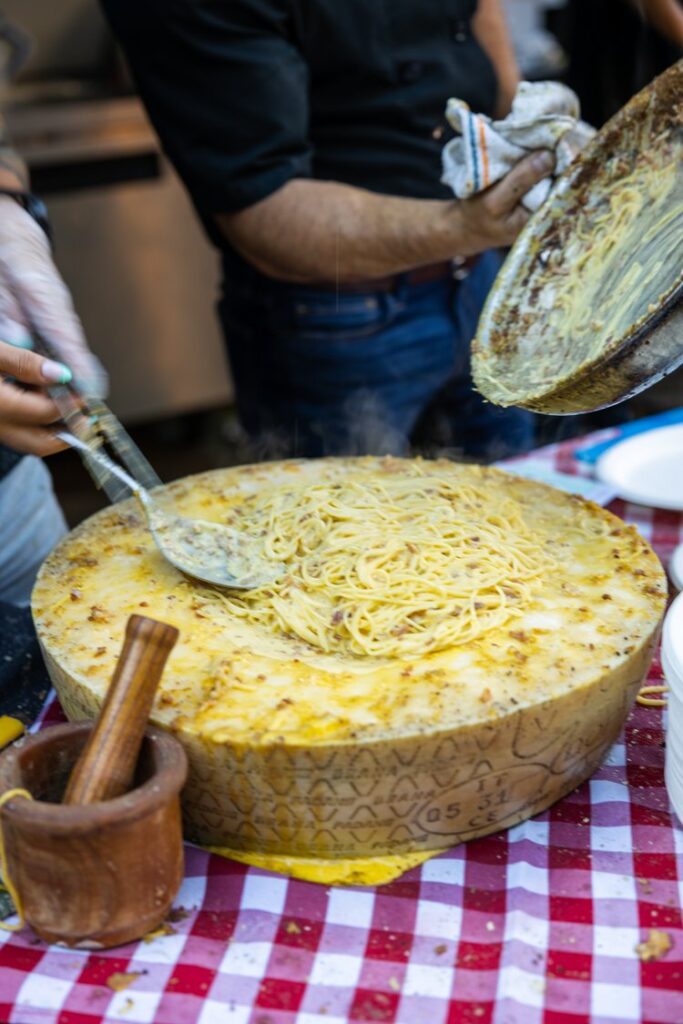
x=356, y=871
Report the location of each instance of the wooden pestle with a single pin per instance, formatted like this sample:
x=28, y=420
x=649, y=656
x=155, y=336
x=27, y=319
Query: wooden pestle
x=106, y=767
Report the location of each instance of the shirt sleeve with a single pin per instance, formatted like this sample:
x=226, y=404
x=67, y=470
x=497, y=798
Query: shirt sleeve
x=226, y=90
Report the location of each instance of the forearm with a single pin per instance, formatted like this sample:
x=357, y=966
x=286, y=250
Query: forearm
x=311, y=231
x=491, y=30
x=667, y=18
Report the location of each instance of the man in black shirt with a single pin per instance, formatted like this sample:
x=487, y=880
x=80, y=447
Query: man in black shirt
x=308, y=133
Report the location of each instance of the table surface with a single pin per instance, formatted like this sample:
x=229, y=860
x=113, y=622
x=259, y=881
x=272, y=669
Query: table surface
x=536, y=925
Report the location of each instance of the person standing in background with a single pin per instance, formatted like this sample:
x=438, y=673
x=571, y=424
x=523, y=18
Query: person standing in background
x=616, y=47
x=309, y=136
x=33, y=298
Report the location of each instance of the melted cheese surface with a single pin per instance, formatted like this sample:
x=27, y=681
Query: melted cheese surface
x=228, y=680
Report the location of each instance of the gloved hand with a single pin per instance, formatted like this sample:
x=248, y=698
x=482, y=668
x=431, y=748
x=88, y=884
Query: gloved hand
x=32, y=294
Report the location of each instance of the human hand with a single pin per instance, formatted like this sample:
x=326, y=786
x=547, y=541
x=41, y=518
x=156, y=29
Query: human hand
x=26, y=415
x=34, y=297
x=493, y=218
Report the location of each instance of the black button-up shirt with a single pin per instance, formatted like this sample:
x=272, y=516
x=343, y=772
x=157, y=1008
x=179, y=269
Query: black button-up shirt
x=247, y=94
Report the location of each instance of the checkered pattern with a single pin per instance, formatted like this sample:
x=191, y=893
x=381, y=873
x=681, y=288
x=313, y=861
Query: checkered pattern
x=536, y=925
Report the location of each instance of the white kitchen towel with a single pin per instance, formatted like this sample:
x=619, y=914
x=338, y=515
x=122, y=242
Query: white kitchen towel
x=544, y=115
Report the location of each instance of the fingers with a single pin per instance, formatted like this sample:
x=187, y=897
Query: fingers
x=19, y=407
x=25, y=415
x=515, y=221
x=496, y=216
x=506, y=194
x=30, y=368
x=31, y=440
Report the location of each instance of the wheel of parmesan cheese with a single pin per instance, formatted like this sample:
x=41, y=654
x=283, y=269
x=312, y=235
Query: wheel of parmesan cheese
x=451, y=650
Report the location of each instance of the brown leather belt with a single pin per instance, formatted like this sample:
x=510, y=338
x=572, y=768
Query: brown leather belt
x=457, y=269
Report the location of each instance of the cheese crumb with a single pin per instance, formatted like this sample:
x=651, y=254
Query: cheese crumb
x=656, y=945
x=120, y=980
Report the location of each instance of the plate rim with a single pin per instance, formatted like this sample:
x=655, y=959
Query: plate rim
x=602, y=470
x=676, y=570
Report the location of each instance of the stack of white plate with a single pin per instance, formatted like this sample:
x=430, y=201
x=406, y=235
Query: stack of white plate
x=672, y=663
x=647, y=468
x=676, y=567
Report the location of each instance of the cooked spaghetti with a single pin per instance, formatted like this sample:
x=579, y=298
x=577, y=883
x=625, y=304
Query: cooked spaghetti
x=618, y=261
x=392, y=567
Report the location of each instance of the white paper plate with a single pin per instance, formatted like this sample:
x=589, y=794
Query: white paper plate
x=647, y=468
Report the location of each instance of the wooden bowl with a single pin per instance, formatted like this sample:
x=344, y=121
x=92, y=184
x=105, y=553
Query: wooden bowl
x=98, y=875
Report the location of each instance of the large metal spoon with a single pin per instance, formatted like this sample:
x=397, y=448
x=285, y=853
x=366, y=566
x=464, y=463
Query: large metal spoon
x=207, y=551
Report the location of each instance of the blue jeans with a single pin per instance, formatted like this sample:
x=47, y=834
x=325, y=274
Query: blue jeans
x=31, y=523
x=373, y=372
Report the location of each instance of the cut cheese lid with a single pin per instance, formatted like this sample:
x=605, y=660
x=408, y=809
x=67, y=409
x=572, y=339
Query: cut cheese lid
x=587, y=309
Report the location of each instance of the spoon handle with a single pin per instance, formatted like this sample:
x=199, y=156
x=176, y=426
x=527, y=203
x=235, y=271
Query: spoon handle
x=106, y=766
x=102, y=459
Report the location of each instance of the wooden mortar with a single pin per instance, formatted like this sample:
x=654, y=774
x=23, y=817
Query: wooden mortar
x=98, y=874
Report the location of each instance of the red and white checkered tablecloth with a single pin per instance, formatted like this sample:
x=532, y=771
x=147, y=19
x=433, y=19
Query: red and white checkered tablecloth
x=536, y=925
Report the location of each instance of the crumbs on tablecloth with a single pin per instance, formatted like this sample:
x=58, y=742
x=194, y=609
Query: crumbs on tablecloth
x=120, y=980
x=157, y=933
x=656, y=945
x=178, y=914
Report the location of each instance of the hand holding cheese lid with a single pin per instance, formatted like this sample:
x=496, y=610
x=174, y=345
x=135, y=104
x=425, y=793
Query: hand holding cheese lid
x=586, y=310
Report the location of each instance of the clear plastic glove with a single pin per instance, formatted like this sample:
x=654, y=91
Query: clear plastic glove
x=32, y=294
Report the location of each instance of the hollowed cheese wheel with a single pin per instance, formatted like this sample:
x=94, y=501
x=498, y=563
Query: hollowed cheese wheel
x=297, y=752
